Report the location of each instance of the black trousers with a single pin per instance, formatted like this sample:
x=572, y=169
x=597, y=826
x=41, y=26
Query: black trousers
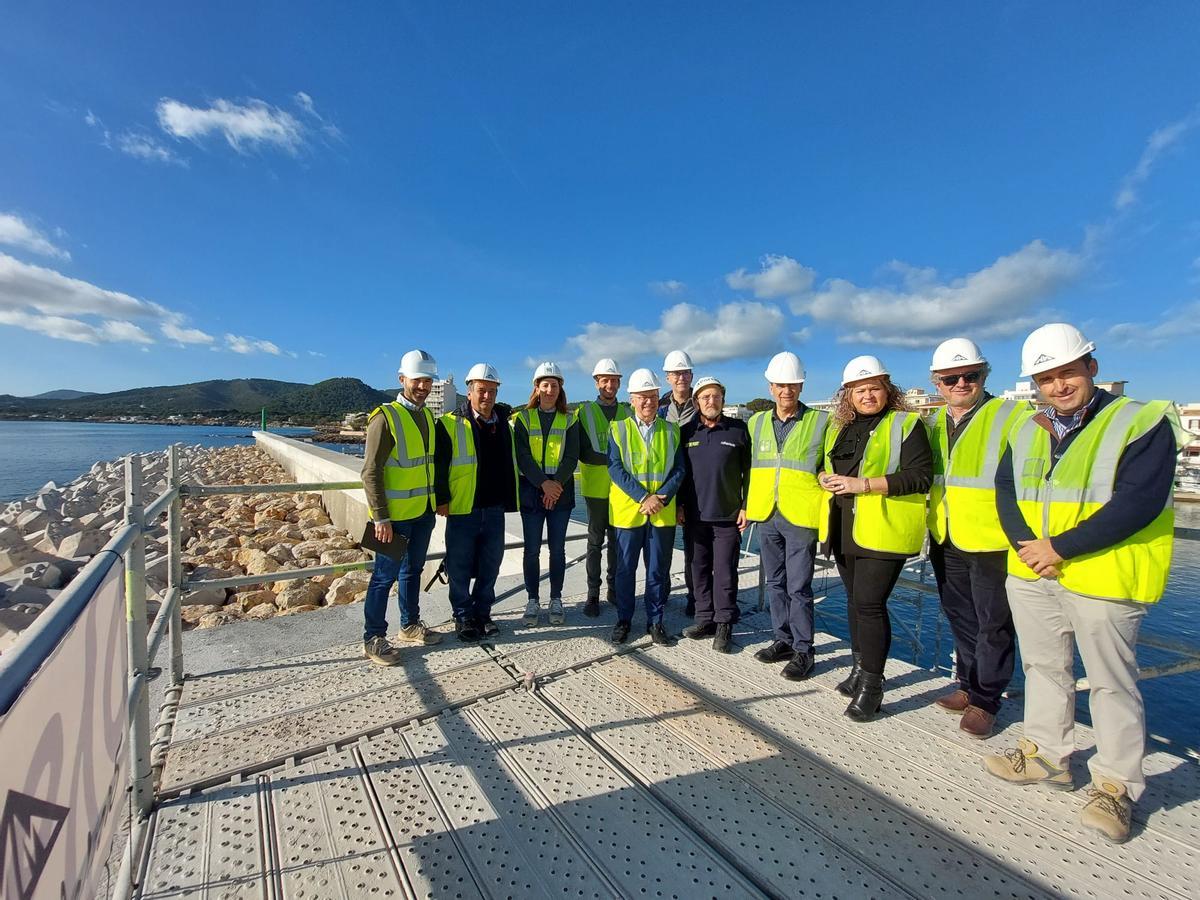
x=869, y=583
x=599, y=533
x=688, y=578
x=713, y=569
x=971, y=586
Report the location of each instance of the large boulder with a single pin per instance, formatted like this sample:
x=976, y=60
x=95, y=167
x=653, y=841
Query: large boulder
x=14, y=620
x=301, y=593
x=192, y=613
x=32, y=521
x=320, y=532
x=81, y=543
x=282, y=554
x=255, y=562
x=312, y=517
x=341, y=557
x=17, y=557
x=247, y=600
x=349, y=588
x=308, y=549
x=220, y=617
x=40, y=575
x=262, y=611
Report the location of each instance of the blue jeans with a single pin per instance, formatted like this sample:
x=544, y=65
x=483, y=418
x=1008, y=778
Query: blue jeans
x=554, y=521
x=474, y=548
x=407, y=573
x=655, y=546
x=788, y=553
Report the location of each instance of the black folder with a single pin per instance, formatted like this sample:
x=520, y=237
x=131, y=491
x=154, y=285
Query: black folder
x=396, y=548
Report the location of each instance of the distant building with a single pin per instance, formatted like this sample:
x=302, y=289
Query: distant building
x=443, y=396
x=737, y=411
x=922, y=401
x=1024, y=390
x=1189, y=417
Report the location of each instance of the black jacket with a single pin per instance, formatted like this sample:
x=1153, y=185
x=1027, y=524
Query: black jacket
x=1145, y=477
x=496, y=482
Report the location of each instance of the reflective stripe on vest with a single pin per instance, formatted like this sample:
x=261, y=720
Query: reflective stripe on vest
x=883, y=523
x=962, y=499
x=1055, y=501
x=786, y=479
x=590, y=415
x=408, y=471
x=546, y=449
x=464, y=464
x=649, y=466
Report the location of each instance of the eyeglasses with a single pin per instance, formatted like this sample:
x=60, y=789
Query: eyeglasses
x=968, y=377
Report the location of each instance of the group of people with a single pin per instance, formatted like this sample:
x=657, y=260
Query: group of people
x=1052, y=529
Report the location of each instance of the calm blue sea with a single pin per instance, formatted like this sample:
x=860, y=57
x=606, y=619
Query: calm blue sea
x=32, y=453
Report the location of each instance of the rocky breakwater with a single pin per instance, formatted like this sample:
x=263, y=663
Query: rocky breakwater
x=47, y=538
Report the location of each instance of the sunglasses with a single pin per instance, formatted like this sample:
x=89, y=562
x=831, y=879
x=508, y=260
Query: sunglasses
x=968, y=377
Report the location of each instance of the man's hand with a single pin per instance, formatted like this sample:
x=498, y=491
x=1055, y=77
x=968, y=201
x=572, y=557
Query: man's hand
x=652, y=505
x=442, y=509
x=742, y=521
x=1040, y=556
x=383, y=532
x=548, y=501
x=552, y=489
x=679, y=515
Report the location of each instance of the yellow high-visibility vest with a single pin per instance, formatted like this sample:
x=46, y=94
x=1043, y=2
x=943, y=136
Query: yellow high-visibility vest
x=881, y=522
x=408, y=471
x=464, y=464
x=649, y=466
x=786, y=478
x=590, y=415
x=1078, y=487
x=551, y=443
x=962, y=499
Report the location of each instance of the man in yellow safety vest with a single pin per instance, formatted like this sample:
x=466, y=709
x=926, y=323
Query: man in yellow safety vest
x=967, y=546
x=594, y=417
x=397, y=476
x=1084, y=494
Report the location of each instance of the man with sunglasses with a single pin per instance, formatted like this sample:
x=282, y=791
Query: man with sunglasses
x=967, y=546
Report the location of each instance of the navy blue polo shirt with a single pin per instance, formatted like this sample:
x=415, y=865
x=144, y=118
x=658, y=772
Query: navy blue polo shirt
x=717, y=469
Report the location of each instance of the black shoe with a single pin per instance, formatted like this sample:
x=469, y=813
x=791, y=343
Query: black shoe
x=700, y=630
x=620, y=633
x=800, y=667
x=724, y=638
x=487, y=628
x=867, y=699
x=611, y=596
x=775, y=652
x=658, y=635
x=466, y=630
x=848, y=686
x=591, y=609
x=689, y=609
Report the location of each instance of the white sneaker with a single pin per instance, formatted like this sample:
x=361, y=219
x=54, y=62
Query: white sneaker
x=533, y=609
x=556, y=611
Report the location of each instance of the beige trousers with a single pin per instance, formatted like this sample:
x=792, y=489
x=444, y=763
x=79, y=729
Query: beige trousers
x=1050, y=622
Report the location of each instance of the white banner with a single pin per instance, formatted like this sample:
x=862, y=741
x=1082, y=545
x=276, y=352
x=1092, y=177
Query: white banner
x=62, y=743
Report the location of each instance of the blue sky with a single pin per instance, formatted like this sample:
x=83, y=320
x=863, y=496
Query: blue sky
x=305, y=190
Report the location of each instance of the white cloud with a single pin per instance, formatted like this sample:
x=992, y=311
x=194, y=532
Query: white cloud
x=124, y=331
x=990, y=303
x=316, y=353
x=670, y=288
x=732, y=331
x=145, y=147
x=16, y=232
x=251, y=124
x=1182, y=323
x=778, y=276
x=1158, y=143
x=240, y=344
x=47, y=291
x=178, y=332
x=68, y=329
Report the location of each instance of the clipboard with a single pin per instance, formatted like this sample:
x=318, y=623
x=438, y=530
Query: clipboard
x=396, y=549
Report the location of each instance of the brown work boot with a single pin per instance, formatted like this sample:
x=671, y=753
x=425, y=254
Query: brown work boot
x=1108, y=811
x=1023, y=765
x=418, y=633
x=976, y=723
x=955, y=702
x=380, y=652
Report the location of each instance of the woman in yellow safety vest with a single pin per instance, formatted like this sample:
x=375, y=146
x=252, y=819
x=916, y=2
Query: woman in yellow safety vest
x=547, y=444
x=878, y=467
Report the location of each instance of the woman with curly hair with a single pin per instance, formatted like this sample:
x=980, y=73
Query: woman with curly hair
x=878, y=468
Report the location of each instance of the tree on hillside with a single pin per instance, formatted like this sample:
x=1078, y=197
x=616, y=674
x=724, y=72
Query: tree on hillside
x=758, y=404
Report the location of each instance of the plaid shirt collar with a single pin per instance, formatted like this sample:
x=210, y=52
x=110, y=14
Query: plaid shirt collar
x=1064, y=424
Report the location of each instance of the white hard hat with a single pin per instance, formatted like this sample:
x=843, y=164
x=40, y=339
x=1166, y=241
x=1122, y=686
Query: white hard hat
x=706, y=382
x=547, y=370
x=606, y=366
x=417, y=364
x=862, y=367
x=643, y=380
x=1052, y=346
x=784, y=368
x=483, y=372
x=677, y=361
x=956, y=352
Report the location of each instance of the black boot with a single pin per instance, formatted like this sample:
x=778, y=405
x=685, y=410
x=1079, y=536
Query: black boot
x=849, y=686
x=867, y=699
x=723, y=639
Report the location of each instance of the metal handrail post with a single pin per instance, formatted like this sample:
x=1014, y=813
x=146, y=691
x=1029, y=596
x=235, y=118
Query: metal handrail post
x=135, y=618
x=175, y=565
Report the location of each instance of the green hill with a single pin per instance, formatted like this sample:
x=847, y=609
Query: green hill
x=237, y=398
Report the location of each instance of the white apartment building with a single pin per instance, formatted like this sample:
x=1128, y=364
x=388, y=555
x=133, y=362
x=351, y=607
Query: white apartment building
x=443, y=396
